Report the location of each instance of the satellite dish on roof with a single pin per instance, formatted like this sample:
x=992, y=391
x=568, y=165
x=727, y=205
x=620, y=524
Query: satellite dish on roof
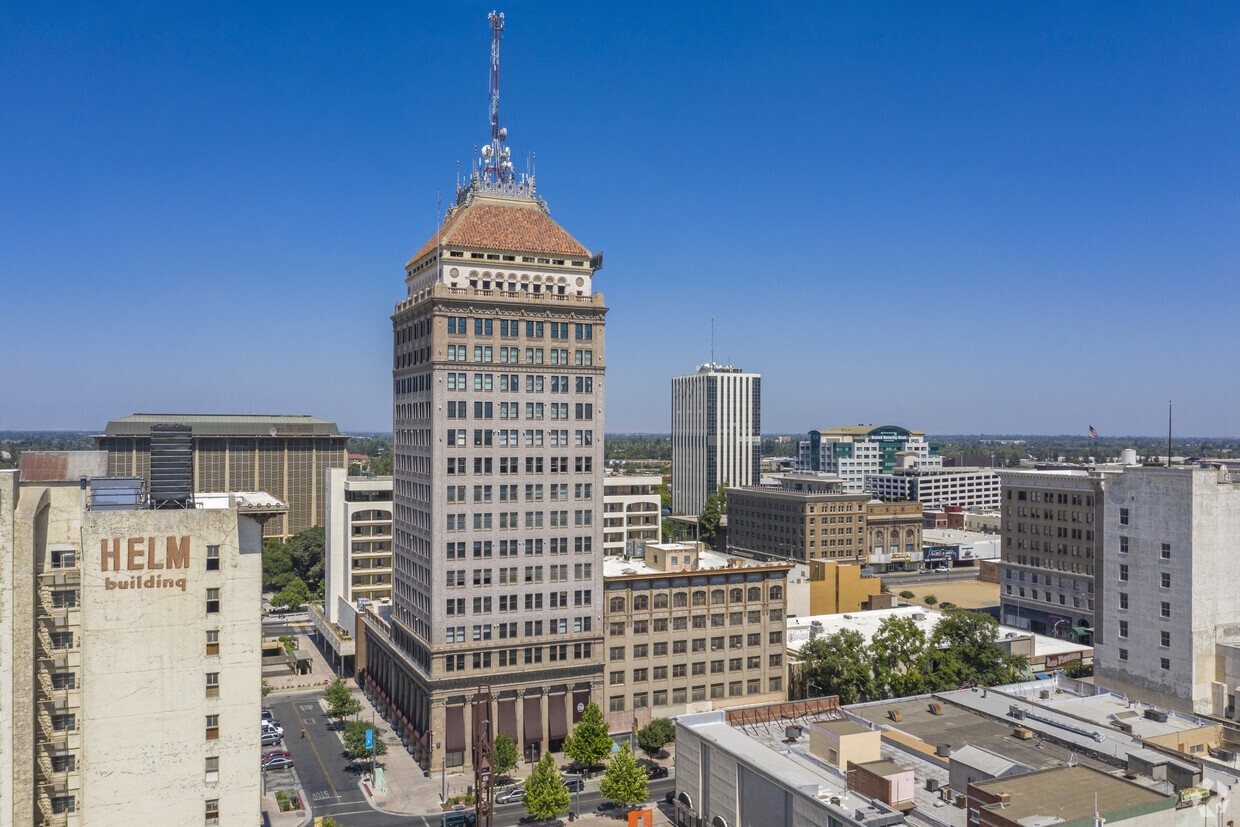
x=503, y=133
x=486, y=151
x=272, y=430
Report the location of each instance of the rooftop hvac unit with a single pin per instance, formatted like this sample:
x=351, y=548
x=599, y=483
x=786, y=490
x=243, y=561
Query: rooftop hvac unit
x=1016, y=712
x=1044, y=694
x=943, y=750
x=172, y=465
x=792, y=733
x=932, y=785
x=1223, y=754
x=1156, y=715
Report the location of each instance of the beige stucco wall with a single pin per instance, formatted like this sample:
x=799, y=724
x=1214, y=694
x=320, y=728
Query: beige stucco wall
x=144, y=667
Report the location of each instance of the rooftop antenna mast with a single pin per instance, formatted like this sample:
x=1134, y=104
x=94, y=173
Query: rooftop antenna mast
x=712, y=340
x=495, y=162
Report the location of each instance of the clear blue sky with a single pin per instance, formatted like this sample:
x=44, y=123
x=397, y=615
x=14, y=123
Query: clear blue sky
x=983, y=217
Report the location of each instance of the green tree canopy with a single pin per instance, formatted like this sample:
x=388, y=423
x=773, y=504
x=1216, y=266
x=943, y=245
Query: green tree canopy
x=838, y=665
x=590, y=741
x=712, y=512
x=898, y=658
x=964, y=652
x=545, y=793
x=355, y=740
x=623, y=782
x=340, y=701
x=506, y=756
x=655, y=735
x=293, y=595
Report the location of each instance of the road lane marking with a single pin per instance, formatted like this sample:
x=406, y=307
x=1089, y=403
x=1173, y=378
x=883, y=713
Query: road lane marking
x=317, y=757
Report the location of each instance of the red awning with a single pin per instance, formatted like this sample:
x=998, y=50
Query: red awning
x=557, y=721
x=580, y=699
x=533, y=719
x=508, y=720
x=454, y=741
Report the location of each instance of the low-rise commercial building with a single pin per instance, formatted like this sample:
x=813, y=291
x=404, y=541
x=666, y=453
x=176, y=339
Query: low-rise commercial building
x=893, y=536
x=284, y=456
x=970, y=488
x=948, y=547
x=631, y=511
x=802, y=517
x=115, y=613
x=690, y=630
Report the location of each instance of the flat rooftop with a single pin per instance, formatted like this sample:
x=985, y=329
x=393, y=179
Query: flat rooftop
x=139, y=425
x=617, y=566
x=1078, y=792
x=867, y=623
x=955, y=536
x=1108, y=709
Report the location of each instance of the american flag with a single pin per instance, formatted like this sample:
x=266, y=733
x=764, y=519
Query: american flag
x=1093, y=434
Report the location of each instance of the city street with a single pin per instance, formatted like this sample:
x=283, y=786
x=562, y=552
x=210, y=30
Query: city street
x=330, y=780
x=923, y=577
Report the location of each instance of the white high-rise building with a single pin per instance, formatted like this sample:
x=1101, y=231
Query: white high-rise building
x=1170, y=619
x=716, y=433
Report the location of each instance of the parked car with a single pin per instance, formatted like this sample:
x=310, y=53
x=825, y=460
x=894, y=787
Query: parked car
x=514, y=796
x=277, y=761
x=270, y=739
x=268, y=726
x=574, y=783
x=942, y=569
x=460, y=818
x=268, y=716
x=656, y=772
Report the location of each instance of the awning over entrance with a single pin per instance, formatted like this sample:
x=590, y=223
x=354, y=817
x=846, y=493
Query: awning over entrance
x=1081, y=631
x=454, y=740
x=508, y=720
x=557, y=721
x=533, y=719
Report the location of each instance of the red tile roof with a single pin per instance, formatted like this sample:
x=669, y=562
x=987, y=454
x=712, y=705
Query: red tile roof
x=504, y=226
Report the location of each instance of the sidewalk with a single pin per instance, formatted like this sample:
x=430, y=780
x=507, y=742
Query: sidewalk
x=272, y=817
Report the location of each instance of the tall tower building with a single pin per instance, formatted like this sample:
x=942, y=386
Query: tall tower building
x=498, y=476
x=716, y=433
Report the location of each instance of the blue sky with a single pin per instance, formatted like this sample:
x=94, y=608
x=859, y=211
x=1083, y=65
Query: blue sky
x=961, y=218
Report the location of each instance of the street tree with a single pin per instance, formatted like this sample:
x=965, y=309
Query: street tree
x=964, y=652
x=293, y=595
x=655, y=735
x=623, y=781
x=898, y=658
x=506, y=756
x=590, y=741
x=355, y=741
x=545, y=793
x=838, y=665
x=340, y=701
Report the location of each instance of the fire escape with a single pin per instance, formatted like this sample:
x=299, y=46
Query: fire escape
x=57, y=627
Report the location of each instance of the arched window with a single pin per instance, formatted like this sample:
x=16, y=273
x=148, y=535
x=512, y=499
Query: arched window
x=641, y=602
x=777, y=592
x=755, y=593
x=699, y=598
x=616, y=604
x=736, y=595
x=660, y=601
x=716, y=596
x=680, y=600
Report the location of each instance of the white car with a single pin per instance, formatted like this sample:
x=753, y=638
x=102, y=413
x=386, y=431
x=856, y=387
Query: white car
x=942, y=569
x=268, y=726
x=513, y=796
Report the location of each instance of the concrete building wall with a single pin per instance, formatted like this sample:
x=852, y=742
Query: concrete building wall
x=798, y=525
x=150, y=681
x=631, y=511
x=1170, y=563
x=13, y=754
x=359, y=540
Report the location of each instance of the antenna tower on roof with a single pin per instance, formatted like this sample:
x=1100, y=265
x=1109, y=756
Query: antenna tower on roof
x=495, y=163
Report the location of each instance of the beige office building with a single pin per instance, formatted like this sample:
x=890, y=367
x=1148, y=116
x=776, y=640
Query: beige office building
x=805, y=517
x=691, y=630
x=130, y=683
x=1052, y=544
x=284, y=456
x=631, y=511
x=498, y=372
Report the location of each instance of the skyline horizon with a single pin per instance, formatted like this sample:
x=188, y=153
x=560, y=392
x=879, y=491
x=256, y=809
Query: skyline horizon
x=1009, y=218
